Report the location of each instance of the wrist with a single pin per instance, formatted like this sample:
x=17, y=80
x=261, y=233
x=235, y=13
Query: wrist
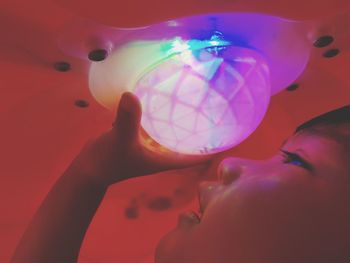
x=81, y=176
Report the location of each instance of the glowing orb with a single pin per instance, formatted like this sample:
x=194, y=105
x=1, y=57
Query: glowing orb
x=202, y=102
x=204, y=81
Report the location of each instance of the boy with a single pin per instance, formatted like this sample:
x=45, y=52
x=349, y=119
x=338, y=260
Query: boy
x=291, y=208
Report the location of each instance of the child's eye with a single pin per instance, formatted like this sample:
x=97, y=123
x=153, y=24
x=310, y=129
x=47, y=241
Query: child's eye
x=295, y=159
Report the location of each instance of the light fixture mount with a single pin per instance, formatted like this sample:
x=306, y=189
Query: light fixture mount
x=204, y=81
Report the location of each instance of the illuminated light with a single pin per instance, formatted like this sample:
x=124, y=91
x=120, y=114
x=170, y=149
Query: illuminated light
x=178, y=46
x=197, y=99
x=196, y=107
x=172, y=23
x=204, y=88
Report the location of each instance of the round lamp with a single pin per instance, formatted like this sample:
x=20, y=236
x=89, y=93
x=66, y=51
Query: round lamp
x=204, y=82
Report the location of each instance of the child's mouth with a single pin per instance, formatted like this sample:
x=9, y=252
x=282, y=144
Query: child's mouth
x=188, y=219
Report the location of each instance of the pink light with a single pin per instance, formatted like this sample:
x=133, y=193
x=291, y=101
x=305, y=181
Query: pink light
x=204, y=104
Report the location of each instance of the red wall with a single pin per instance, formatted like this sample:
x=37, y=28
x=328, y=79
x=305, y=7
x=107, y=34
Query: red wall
x=42, y=129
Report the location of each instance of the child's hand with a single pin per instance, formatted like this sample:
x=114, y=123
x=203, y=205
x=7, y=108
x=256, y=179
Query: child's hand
x=118, y=154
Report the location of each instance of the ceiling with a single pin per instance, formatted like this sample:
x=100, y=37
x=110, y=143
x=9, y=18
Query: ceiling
x=47, y=115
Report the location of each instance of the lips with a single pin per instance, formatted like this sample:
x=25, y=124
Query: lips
x=188, y=219
x=205, y=193
x=201, y=203
x=191, y=218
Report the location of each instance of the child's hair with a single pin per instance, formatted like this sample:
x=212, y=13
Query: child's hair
x=330, y=125
x=332, y=118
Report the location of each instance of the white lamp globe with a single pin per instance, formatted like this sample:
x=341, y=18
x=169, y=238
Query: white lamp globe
x=202, y=103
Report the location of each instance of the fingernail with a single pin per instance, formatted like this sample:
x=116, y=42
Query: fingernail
x=125, y=102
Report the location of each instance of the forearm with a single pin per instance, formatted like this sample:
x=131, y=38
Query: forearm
x=58, y=228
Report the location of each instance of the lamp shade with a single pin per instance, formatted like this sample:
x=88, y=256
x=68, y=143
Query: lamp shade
x=204, y=81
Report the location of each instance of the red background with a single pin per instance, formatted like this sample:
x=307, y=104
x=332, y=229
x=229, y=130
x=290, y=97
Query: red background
x=42, y=129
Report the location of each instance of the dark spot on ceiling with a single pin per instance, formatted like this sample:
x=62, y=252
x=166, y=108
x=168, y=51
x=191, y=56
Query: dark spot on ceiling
x=323, y=41
x=293, y=87
x=62, y=66
x=331, y=53
x=98, y=55
x=160, y=203
x=131, y=212
x=81, y=103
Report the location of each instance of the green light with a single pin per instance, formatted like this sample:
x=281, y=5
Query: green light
x=178, y=45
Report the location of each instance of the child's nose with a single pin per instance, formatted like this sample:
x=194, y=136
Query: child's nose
x=229, y=170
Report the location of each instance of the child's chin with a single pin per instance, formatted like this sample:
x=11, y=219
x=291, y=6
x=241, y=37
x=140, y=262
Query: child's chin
x=168, y=246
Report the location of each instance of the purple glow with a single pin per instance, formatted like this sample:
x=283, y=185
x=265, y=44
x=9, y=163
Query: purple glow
x=204, y=81
x=204, y=104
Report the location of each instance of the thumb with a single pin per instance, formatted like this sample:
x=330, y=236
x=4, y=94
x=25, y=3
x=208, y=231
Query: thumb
x=128, y=118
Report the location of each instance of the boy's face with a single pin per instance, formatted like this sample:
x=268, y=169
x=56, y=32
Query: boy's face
x=278, y=210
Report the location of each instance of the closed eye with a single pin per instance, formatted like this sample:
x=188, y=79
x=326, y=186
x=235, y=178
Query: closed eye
x=296, y=159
